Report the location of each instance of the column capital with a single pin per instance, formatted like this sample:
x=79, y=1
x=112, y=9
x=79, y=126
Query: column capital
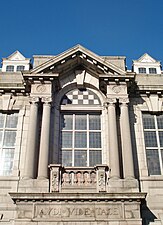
x=123, y=101
x=46, y=100
x=111, y=100
x=33, y=100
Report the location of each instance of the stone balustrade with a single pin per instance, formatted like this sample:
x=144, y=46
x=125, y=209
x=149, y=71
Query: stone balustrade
x=64, y=179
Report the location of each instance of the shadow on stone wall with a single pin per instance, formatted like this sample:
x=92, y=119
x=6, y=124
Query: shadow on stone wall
x=147, y=215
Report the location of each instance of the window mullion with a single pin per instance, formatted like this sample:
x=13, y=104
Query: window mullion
x=87, y=139
x=158, y=144
x=73, y=139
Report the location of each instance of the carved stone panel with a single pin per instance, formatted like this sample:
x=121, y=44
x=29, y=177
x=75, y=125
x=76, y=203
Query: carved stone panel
x=41, y=89
x=77, y=211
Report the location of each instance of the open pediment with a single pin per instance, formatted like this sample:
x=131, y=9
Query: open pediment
x=78, y=57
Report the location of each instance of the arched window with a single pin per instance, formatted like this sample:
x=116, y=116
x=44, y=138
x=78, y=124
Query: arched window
x=80, y=129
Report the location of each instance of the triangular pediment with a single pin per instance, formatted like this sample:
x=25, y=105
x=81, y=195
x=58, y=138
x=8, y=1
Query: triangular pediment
x=77, y=56
x=16, y=56
x=146, y=58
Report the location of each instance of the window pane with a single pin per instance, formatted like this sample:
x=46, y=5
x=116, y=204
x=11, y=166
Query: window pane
x=80, y=139
x=142, y=70
x=160, y=121
x=20, y=68
x=152, y=70
x=153, y=162
x=161, y=138
x=80, y=122
x=1, y=133
x=9, y=138
x=10, y=68
x=7, y=156
x=2, y=118
x=66, y=139
x=95, y=140
x=95, y=157
x=67, y=158
x=80, y=158
x=12, y=120
x=148, y=121
x=150, y=139
x=94, y=122
x=66, y=122
x=162, y=156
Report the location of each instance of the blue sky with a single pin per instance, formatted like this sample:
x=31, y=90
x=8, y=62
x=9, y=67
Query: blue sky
x=107, y=27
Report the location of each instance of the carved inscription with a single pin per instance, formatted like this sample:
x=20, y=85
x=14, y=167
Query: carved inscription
x=72, y=212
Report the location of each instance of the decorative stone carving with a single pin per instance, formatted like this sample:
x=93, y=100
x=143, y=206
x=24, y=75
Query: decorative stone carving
x=33, y=100
x=154, y=103
x=89, y=177
x=55, y=181
x=101, y=177
x=46, y=100
x=123, y=100
x=41, y=88
x=55, y=178
x=7, y=102
x=111, y=100
x=116, y=89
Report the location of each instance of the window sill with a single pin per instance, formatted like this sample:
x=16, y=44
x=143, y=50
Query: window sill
x=152, y=178
x=9, y=178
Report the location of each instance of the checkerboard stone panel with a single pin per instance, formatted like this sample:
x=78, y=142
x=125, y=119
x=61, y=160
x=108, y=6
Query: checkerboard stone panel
x=80, y=97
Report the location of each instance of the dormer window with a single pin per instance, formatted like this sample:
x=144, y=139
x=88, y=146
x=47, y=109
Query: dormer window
x=152, y=70
x=10, y=68
x=20, y=68
x=142, y=70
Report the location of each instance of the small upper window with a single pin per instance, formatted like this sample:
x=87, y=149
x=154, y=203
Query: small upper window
x=10, y=68
x=152, y=70
x=20, y=68
x=142, y=70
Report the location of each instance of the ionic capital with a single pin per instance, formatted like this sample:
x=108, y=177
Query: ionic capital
x=33, y=100
x=111, y=100
x=46, y=100
x=123, y=101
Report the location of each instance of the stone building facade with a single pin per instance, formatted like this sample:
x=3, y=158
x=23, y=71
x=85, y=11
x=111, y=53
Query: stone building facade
x=81, y=140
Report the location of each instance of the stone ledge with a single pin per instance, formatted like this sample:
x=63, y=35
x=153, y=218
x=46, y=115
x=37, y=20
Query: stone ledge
x=78, y=196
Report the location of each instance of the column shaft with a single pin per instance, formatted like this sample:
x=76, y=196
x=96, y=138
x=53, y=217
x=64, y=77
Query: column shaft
x=44, y=142
x=29, y=169
x=113, y=142
x=128, y=167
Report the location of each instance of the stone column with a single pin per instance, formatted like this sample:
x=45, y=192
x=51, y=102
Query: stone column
x=44, y=142
x=128, y=167
x=113, y=140
x=29, y=169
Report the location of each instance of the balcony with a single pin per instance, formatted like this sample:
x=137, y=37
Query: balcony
x=78, y=179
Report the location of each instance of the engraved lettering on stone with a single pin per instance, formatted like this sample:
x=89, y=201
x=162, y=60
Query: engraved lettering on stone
x=104, y=212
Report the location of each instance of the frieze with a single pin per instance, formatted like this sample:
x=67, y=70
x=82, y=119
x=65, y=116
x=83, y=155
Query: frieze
x=70, y=212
